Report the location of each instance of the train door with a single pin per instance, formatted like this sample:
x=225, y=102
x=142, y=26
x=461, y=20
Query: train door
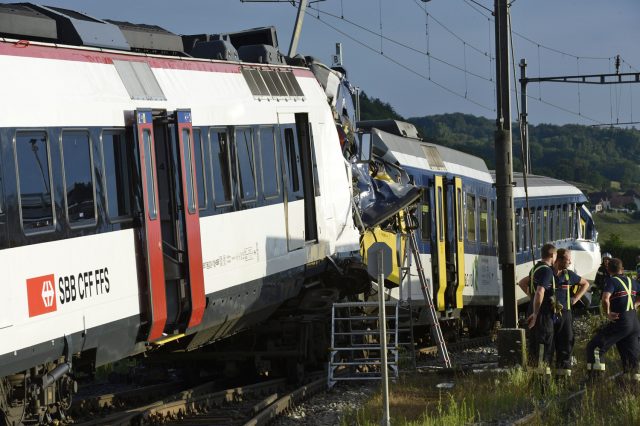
x=447, y=243
x=294, y=195
x=438, y=244
x=172, y=230
x=455, y=242
x=308, y=187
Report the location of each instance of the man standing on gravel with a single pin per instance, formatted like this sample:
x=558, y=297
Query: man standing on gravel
x=541, y=319
x=619, y=303
x=563, y=326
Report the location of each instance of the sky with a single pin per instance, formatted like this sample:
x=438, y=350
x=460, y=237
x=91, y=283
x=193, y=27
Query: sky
x=435, y=57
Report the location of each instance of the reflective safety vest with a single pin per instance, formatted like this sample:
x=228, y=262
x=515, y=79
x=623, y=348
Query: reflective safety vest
x=568, y=287
x=628, y=290
x=532, y=287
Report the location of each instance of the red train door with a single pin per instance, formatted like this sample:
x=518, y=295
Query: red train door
x=191, y=216
x=156, y=297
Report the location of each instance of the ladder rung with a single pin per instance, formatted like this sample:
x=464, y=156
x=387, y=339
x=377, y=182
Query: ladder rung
x=372, y=362
x=359, y=348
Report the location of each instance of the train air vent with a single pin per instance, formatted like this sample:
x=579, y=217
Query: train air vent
x=433, y=157
x=139, y=80
x=151, y=39
x=20, y=21
x=271, y=83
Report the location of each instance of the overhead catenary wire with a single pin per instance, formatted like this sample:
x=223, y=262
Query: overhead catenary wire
x=522, y=146
x=400, y=64
x=401, y=44
x=430, y=78
x=453, y=33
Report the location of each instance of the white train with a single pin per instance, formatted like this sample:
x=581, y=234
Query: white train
x=148, y=196
x=457, y=232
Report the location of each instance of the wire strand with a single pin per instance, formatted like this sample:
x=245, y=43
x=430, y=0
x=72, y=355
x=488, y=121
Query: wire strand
x=401, y=44
x=398, y=63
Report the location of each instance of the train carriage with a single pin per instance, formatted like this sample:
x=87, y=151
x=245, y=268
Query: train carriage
x=149, y=196
x=457, y=227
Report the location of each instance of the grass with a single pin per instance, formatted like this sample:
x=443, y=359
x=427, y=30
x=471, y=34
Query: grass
x=491, y=398
x=621, y=224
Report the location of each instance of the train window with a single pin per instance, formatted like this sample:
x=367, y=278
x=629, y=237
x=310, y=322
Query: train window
x=518, y=218
x=494, y=223
x=471, y=217
x=484, y=226
x=539, y=229
x=552, y=224
x=547, y=228
x=425, y=216
x=565, y=222
x=186, y=146
x=34, y=180
x=559, y=222
x=78, y=177
x=571, y=223
x=269, y=162
x=221, y=170
x=293, y=159
x=201, y=185
x=149, y=168
x=117, y=158
x=246, y=163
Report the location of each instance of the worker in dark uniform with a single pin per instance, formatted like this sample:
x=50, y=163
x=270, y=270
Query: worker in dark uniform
x=563, y=327
x=637, y=267
x=603, y=273
x=601, y=277
x=619, y=301
x=540, y=321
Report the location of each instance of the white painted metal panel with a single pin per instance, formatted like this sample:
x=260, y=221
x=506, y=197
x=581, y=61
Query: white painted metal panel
x=105, y=286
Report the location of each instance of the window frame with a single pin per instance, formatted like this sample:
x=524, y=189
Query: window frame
x=277, y=173
x=88, y=223
x=227, y=131
x=238, y=173
x=486, y=220
x=121, y=218
x=203, y=164
x=469, y=196
x=54, y=222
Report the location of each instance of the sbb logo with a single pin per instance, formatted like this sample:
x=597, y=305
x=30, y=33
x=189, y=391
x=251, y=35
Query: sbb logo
x=41, y=294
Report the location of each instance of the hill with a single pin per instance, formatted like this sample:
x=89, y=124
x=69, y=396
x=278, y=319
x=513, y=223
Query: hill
x=586, y=155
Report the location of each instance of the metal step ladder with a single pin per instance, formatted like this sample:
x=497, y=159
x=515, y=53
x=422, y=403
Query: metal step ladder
x=355, y=341
x=436, y=331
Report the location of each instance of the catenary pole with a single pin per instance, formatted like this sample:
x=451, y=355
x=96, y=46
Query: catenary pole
x=504, y=167
x=524, y=117
x=293, y=47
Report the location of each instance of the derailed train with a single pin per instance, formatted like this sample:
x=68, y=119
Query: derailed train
x=456, y=226
x=156, y=190
x=161, y=191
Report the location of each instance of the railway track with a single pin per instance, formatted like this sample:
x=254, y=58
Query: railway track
x=254, y=404
x=458, y=346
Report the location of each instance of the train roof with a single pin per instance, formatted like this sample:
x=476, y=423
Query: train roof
x=543, y=186
x=413, y=152
x=48, y=24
